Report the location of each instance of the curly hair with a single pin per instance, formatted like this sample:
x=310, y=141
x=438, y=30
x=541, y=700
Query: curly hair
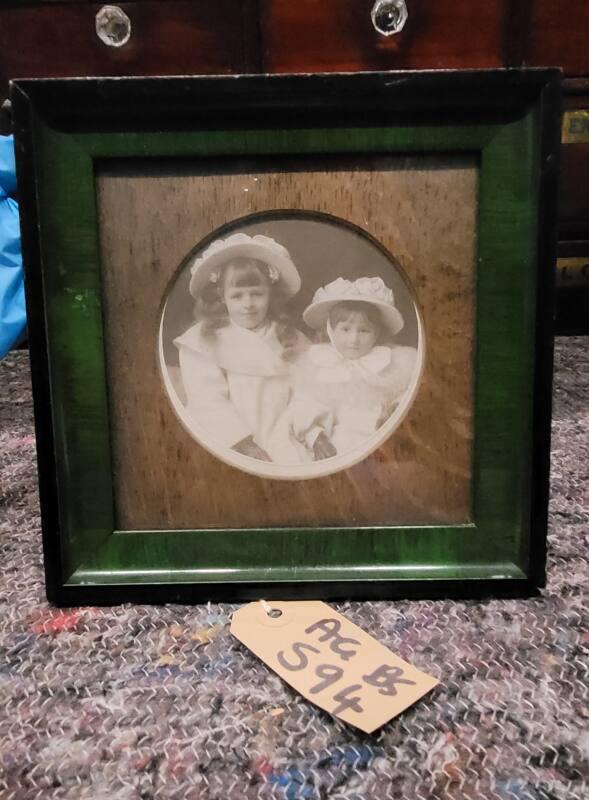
x=241, y=271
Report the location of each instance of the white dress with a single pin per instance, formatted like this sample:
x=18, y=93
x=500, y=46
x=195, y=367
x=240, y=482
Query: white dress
x=237, y=385
x=348, y=399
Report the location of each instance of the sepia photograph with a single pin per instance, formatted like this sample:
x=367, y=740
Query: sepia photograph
x=291, y=345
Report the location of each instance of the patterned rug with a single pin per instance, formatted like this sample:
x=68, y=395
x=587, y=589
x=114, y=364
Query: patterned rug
x=136, y=702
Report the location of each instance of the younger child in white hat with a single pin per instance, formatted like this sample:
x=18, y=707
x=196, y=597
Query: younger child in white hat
x=349, y=386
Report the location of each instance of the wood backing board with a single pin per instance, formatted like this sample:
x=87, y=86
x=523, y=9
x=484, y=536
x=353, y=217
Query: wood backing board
x=421, y=209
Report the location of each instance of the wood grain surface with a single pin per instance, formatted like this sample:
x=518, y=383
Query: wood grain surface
x=331, y=36
x=557, y=36
x=422, y=209
x=172, y=38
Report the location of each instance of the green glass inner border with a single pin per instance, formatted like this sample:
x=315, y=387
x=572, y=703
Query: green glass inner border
x=496, y=545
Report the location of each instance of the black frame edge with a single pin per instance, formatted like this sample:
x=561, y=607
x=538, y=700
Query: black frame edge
x=38, y=352
x=158, y=594
x=112, y=101
x=547, y=240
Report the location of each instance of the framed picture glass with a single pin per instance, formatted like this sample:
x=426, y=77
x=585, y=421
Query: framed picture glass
x=290, y=335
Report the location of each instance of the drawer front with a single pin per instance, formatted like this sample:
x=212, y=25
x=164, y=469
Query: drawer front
x=558, y=34
x=166, y=38
x=333, y=35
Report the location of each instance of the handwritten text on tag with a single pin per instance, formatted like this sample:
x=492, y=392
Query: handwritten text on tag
x=331, y=661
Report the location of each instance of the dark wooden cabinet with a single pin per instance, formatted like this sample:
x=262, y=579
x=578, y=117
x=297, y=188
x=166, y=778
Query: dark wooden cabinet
x=58, y=37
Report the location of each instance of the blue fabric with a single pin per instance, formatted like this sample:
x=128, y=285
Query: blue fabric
x=12, y=295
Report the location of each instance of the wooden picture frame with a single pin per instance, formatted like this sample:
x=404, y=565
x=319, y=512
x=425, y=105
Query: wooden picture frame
x=125, y=183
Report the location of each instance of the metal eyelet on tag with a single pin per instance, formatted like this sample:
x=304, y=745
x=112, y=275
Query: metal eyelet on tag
x=272, y=615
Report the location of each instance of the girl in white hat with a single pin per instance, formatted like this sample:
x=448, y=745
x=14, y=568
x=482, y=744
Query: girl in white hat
x=348, y=386
x=235, y=361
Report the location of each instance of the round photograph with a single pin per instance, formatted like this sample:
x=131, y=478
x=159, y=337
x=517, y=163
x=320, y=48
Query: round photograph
x=291, y=345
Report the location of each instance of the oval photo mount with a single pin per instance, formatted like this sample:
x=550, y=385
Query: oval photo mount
x=324, y=250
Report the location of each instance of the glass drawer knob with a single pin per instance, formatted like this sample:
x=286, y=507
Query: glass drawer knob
x=113, y=26
x=389, y=16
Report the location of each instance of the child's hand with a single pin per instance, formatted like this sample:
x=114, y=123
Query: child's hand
x=248, y=447
x=323, y=448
